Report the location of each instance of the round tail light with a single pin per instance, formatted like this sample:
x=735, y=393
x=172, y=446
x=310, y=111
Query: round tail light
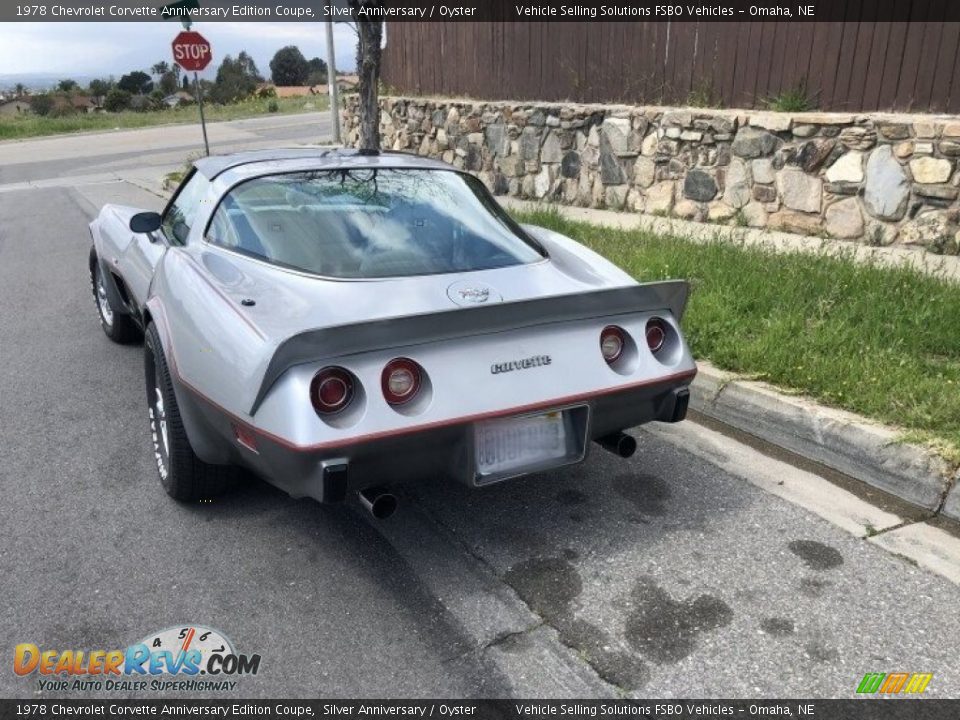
x=331, y=390
x=612, y=343
x=656, y=334
x=400, y=380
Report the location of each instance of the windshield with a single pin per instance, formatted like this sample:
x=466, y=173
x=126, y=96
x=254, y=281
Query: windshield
x=371, y=223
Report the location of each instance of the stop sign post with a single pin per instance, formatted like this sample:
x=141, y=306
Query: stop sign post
x=192, y=51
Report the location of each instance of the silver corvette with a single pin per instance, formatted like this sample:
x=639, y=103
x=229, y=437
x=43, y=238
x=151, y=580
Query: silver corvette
x=338, y=321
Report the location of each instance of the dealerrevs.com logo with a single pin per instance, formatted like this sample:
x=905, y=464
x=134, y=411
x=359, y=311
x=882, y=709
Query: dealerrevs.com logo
x=187, y=658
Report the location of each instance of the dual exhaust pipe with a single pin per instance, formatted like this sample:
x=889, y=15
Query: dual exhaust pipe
x=378, y=501
x=619, y=443
x=381, y=503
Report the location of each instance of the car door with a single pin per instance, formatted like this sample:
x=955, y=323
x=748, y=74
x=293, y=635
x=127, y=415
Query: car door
x=140, y=260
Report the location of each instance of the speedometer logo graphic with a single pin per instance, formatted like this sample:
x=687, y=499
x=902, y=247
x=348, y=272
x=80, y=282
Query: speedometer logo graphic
x=180, y=640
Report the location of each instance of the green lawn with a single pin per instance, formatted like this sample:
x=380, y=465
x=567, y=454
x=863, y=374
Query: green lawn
x=878, y=341
x=30, y=125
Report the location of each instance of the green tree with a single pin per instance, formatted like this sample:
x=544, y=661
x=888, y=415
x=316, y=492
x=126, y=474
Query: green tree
x=100, y=87
x=160, y=68
x=19, y=89
x=41, y=104
x=289, y=67
x=236, y=79
x=67, y=85
x=318, y=72
x=117, y=99
x=136, y=83
x=168, y=83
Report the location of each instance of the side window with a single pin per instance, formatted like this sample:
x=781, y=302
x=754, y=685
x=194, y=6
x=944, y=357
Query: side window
x=181, y=213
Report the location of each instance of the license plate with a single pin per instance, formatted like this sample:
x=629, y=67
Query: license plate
x=520, y=443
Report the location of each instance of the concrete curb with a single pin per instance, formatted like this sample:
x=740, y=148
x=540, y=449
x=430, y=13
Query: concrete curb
x=867, y=451
x=951, y=507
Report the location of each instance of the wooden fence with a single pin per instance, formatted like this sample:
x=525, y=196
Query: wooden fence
x=851, y=65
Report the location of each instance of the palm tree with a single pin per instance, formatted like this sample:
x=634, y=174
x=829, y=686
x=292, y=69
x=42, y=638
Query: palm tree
x=160, y=68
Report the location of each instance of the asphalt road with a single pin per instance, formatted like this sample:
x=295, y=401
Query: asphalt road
x=682, y=572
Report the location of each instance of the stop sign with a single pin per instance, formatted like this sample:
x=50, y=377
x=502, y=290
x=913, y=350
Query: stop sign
x=191, y=51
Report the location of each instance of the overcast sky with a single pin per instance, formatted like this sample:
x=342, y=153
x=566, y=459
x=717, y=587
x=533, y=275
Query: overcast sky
x=114, y=48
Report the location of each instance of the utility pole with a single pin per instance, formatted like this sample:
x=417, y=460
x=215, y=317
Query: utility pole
x=333, y=90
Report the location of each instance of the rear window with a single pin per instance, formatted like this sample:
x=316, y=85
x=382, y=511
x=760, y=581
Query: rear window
x=371, y=223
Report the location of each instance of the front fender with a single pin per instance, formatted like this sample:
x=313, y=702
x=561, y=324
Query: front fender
x=207, y=441
x=214, y=353
x=117, y=300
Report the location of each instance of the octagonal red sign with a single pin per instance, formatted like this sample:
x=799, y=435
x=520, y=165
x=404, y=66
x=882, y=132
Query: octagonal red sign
x=192, y=51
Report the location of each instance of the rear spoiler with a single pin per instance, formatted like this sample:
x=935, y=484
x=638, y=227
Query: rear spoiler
x=338, y=340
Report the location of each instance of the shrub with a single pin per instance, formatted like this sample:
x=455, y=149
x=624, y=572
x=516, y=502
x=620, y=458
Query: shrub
x=792, y=100
x=41, y=104
x=273, y=106
x=117, y=100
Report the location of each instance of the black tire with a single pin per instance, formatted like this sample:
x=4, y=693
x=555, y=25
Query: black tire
x=118, y=327
x=184, y=476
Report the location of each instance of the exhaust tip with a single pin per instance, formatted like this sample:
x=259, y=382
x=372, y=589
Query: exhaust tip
x=619, y=443
x=378, y=502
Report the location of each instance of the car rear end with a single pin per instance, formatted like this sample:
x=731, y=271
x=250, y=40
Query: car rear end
x=477, y=395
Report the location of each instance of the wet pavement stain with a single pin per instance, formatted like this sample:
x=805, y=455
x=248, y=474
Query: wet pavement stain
x=777, y=626
x=819, y=651
x=549, y=586
x=647, y=493
x=666, y=630
x=813, y=586
x=816, y=555
x=616, y=667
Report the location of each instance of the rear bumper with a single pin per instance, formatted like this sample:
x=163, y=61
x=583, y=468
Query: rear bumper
x=328, y=474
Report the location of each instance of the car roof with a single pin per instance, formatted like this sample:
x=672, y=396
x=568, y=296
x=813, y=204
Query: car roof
x=324, y=158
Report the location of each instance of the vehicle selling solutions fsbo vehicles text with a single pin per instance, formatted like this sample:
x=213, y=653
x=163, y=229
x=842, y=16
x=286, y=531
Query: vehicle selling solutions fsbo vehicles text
x=561, y=11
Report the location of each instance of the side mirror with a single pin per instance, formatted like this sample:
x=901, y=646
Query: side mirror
x=145, y=222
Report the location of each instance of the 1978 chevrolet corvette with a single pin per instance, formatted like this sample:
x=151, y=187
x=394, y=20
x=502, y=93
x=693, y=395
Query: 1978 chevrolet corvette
x=336, y=320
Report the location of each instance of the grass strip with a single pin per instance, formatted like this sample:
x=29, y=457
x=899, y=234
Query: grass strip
x=27, y=125
x=882, y=342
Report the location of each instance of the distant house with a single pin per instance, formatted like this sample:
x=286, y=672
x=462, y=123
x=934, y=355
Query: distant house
x=14, y=107
x=289, y=91
x=348, y=82
x=181, y=97
x=85, y=103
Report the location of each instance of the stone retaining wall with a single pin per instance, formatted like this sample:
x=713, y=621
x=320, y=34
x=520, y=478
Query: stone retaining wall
x=873, y=179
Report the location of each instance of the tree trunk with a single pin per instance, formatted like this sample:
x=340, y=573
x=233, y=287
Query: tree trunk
x=368, y=67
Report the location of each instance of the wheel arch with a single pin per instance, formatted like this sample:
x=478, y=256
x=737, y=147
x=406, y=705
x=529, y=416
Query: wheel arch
x=207, y=442
x=119, y=298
